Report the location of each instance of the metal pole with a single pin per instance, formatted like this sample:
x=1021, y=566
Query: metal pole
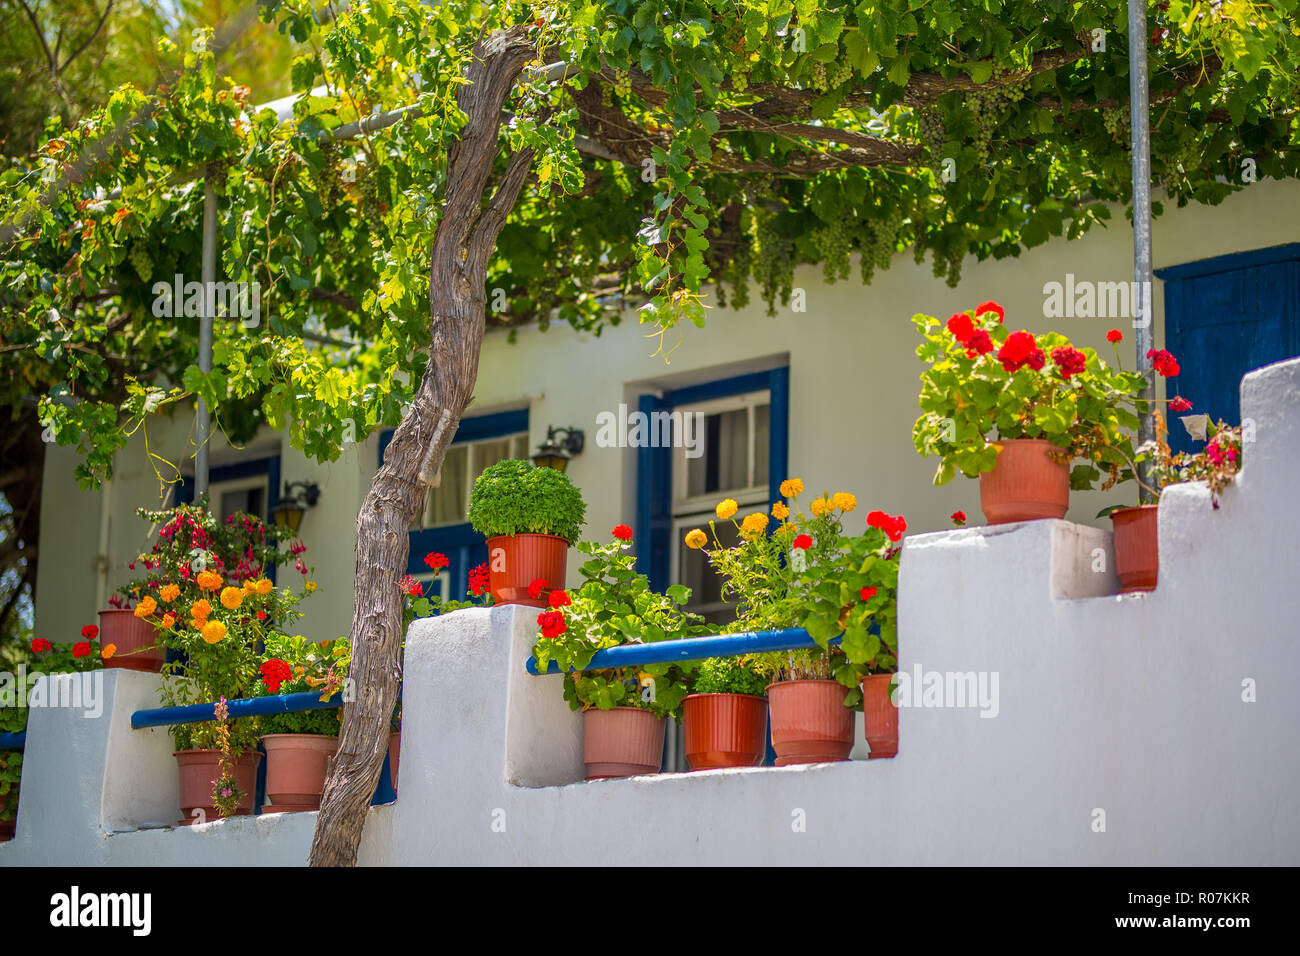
x=1140, y=123
x=203, y=418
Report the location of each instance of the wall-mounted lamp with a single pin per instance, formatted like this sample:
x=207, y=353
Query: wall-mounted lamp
x=555, y=452
x=297, y=498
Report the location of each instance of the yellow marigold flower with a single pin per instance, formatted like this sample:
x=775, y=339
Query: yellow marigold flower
x=753, y=525
x=208, y=580
x=820, y=507
x=792, y=488
x=787, y=529
x=213, y=631
x=107, y=651
x=168, y=620
x=780, y=511
x=695, y=539
x=197, y=624
x=844, y=501
x=231, y=598
x=200, y=609
x=146, y=607
x=264, y=586
x=170, y=593
x=726, y=508
x=299, y=671
x=309, y=586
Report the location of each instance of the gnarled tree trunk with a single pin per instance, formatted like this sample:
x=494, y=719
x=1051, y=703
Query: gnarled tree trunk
x=462, y=246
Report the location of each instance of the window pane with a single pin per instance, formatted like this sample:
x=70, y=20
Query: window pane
x=489, y=453
x=519, y=447
x=448, y=501
x=704, y=582
x=248, y=500
x=762, y=419
x=724, y=464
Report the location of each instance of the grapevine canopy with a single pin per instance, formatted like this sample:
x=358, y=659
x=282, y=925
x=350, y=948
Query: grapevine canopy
x=684, y=150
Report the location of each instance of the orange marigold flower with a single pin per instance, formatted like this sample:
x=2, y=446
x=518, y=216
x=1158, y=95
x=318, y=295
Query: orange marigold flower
x=170, y=593
x=200, y=609
x=780, y=511
x=792, y=488
x=264, y=586
x=231, y=598
x=213, y=631
x=168, y=620
x=208, y=580
x=695, y=539
x=107, y=651
x=146, y=607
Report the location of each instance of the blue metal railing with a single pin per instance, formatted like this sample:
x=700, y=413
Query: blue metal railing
x=692, y=649
x=13, y=741
x=258, y=707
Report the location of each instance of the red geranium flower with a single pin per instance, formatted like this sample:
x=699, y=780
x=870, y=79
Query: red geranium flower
x=274, y=673
x=90, y=632
x=552, y=623
x=436, y=560
x=261, y=615
x=40, y=645
x=958, y=518
x=1163, y=362
x=1114, y=335
x=623, y=532
x=1018, y=351
x=892, y=525
x=802, y=542
x=961, y=326
x=1069, y=360
x=559, y=599
x=980, y=343
x=1179, y=404
x=867, y=593
x=990, y=307
x=81, y=649
x=411, y=586
x=479, y=579
x=536, y=587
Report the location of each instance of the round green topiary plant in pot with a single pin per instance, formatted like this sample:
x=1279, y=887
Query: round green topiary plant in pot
x=529, y=516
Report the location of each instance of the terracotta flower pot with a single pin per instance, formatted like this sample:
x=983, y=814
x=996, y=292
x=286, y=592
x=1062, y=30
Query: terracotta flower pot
x=394, y=752
x=516, y=561
x=1026, y=483
x=296, y=765
x=621, y=742
x=7, y=830
x=199, y=770
x=130, y=634
x=1137, y=548
x=879, y=716
x=810, y=723
x=724, y=730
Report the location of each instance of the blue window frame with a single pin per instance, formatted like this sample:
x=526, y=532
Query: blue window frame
x=654, y=465
x=1224, y=317
x=463, y=546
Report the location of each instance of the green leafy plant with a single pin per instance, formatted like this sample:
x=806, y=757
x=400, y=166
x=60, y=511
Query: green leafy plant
x=293, y=665
x=516, y=497
x=809, y=573
x=985, y=384
x=730, y=675
x=615, y=606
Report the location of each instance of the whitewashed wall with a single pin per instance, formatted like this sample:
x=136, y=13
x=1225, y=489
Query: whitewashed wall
x=1167, y=717
x=854, y=381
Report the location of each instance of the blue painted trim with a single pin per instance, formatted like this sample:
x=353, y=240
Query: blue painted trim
x=1231, y=262
x=245, y=707
x=475, y=429
x=691, y=649
x=737, y=385
x=778, y=432
x=13, y=741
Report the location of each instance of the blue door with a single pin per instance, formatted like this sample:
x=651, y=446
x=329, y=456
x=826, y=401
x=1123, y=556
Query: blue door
x=443, y=528
x=1224, y=317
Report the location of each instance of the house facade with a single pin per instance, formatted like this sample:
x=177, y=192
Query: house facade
x=827, y=393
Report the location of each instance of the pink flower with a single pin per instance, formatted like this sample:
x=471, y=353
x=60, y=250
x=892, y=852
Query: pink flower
x=1179, y=404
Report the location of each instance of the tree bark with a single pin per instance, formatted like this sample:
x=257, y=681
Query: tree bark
x=462, y=247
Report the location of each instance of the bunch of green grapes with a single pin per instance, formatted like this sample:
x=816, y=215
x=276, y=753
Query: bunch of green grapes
x=989, y=106
x=736, y=275
x=833, y=243
x=368, y=181
x=947, y=263
x=1118, y=122
x=837, y=73
x=819, y=76
x=772, y=264
x=878, y=241
x=933, y=133
x=141, y=261
x=623, y=85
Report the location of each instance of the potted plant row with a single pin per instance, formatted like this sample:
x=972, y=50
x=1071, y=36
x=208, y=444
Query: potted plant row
x=1015, y=410
x=624, y=708
x=529, y=516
